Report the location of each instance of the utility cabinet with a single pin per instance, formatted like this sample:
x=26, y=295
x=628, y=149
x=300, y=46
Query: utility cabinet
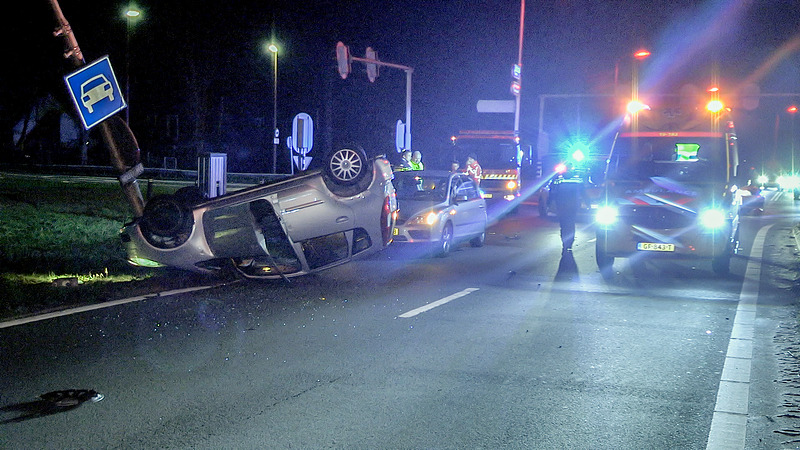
x=212, y=174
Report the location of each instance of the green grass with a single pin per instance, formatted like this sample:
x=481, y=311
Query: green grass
x=51, y=228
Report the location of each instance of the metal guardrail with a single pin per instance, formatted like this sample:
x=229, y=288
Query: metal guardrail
x=149, y=173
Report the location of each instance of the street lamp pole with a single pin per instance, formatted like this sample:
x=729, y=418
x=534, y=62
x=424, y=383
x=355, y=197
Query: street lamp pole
x=274, y=50
x=130, y=14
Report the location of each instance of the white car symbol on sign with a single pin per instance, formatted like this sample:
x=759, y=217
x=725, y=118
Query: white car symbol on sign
x=95, y=89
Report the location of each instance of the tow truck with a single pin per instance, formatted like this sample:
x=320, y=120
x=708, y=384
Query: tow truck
x=501, y=158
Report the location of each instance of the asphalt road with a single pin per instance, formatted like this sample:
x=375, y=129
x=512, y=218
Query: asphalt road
x=504, y=346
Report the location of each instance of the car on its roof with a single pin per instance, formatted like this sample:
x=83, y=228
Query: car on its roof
x=298, y=225
x=439, y=208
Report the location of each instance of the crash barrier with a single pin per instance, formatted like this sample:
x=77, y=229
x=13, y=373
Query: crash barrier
x=149, y=173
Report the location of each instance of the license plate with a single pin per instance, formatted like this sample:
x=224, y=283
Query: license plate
x=395, y=231
x=485, y=195
x=654, y=247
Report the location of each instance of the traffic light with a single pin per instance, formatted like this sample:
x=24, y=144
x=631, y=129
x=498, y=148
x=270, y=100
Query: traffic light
x=343, y=59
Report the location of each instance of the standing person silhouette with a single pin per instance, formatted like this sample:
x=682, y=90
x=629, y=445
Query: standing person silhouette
x=474, y=169
x=568, y=193
x=405, y=161
x=416, y=160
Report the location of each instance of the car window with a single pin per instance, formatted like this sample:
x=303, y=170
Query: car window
x=470, y=190
x=464, y=186
x=420, y=187
x=455, y=186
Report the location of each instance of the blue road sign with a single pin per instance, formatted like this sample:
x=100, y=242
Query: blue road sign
x=95, y=92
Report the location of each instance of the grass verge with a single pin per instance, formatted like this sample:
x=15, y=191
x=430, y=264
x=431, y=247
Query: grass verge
x=67, y=227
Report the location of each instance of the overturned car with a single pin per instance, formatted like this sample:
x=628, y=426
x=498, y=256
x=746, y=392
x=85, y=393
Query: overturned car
x=291, y=227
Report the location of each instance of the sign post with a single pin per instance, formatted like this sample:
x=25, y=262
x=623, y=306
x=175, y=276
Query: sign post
x=302, y=140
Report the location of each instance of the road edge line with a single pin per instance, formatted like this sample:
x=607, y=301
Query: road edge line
x=108, y=304
x=729, y=421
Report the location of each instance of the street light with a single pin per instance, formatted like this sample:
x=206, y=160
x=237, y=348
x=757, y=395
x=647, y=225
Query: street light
x=638, y=56
x=272, y=48
x=132, y=15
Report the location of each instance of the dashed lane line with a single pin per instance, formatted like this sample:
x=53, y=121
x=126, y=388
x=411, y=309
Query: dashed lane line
x=439, y=302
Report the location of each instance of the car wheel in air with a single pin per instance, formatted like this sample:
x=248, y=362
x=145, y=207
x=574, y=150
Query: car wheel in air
x=166, y=222
x=347, y=171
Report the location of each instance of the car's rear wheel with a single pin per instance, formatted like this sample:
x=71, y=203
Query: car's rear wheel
x=446, y=241
x=347, y=171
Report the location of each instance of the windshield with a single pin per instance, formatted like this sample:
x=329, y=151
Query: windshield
x=692, y=159
x=491, y=154
x=418, y=187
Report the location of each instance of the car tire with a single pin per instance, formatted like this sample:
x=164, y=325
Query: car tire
x=604, y=262
x=446, y=241
x=189, y=196
x=542, y=207
x=721, y=265
x=347, y=171
x=478, y=240
x=166, y=222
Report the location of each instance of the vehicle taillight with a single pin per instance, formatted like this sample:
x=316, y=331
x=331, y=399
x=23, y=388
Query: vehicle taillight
x=387, y=221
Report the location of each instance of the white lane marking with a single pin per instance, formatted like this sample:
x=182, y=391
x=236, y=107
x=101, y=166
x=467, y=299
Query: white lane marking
x=729, y=422
x=439, y=302
x=81, y=309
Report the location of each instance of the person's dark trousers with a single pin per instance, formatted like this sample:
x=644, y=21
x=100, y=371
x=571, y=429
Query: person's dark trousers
x=566, y=220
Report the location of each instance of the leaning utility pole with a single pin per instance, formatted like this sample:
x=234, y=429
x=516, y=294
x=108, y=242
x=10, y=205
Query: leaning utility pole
x=118, y=138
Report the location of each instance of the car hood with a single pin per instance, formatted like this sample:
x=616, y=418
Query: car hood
x=410, y=208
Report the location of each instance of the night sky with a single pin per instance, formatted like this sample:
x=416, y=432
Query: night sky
x=461, y=52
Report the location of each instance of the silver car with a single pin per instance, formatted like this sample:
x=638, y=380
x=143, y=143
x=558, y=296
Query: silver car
x=439, y=208
x=292, y=227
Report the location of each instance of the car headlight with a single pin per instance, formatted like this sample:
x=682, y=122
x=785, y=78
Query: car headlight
x=712, y=219
x=762, y=179
x=791, y=182
x=429, y=218
x=511, y=185
x=606, y=215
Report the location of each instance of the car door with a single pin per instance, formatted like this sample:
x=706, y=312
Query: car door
x=470, y=207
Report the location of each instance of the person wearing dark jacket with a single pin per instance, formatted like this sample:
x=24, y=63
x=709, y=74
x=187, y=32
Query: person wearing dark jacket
x=568, y=193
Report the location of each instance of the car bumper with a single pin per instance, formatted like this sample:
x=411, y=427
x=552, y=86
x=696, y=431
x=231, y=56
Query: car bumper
x=625, y=241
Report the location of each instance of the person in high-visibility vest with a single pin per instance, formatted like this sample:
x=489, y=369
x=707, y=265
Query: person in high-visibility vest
x=416, y=161
x=474, y=169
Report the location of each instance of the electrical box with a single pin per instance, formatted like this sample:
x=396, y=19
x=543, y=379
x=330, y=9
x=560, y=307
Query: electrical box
x=212, y=174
